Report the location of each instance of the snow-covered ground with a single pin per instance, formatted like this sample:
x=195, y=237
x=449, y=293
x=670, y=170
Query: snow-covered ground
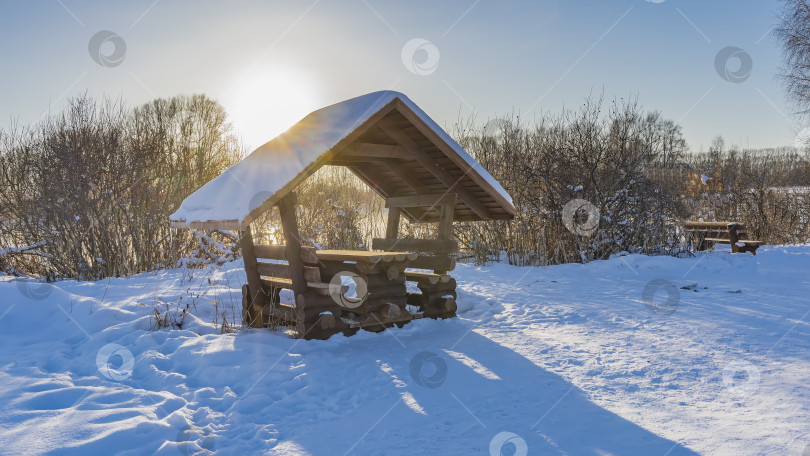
x=571, y=359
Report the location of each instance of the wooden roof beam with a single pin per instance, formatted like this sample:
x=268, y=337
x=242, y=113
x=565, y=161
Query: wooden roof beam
x=422, y=201
x=369, y=150
x=404, y=176
x=452, y=183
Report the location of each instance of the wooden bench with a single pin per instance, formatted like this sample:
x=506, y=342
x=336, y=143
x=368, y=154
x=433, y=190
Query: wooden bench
x=276, y=276
x=704, y=235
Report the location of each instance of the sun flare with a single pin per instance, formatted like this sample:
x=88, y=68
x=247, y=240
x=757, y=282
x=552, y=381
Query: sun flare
x=266, y=101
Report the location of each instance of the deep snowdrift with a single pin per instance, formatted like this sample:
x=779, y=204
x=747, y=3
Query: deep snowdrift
x=567, y=359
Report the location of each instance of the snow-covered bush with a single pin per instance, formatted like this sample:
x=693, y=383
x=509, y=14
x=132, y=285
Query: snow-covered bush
x=613, y=156
x=91, y=188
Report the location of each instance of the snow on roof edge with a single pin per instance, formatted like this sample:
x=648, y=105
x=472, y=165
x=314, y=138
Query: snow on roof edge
x=232, y=195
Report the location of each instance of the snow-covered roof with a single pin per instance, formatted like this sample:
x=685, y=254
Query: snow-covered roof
x=245, y=190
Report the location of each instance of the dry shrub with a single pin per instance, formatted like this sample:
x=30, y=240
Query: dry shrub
x=86, y=193
x=616, y=157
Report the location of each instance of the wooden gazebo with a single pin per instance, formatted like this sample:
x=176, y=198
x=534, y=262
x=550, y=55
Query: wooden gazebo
x=394, y=147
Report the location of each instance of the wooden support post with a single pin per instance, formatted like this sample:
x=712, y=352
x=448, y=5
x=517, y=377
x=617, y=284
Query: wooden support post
x=448, y=210
x=257, y=296
x=733, y=237
x=392, y=229
x=289, y=224
x=446, y=220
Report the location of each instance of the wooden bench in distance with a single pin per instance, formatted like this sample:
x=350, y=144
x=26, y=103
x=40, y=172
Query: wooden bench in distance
x=730, y=233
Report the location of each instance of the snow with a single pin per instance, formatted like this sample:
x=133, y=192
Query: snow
x=246, y=185
x=568, y=359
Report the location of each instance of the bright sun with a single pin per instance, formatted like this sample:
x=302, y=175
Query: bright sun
x=266, y=101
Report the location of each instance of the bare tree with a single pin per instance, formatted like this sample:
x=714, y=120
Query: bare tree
x=793, y=33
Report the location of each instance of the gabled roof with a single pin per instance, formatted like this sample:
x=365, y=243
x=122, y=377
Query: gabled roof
x=383, y=137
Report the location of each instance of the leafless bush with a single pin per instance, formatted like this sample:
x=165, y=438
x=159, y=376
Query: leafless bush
x=87, y=193
x=616, y=157
x=768, y=190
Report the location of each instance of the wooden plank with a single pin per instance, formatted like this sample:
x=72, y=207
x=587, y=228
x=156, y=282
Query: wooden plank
x=369, y=150
x=311, y=273
x=713, y=224
x=363, y=256
x=421, y=200
x=282, y=312
x=415, y=245
x=407, y=176
x=322, y=288
x=350, y=255
x=437, y=171
x=426, y=277
x=435, y=263
x=392, y=227
x=353, y=161
x=278, y=252
x=257, y=297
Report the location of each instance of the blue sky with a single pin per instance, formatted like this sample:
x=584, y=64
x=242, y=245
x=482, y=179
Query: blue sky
x=271, y=62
